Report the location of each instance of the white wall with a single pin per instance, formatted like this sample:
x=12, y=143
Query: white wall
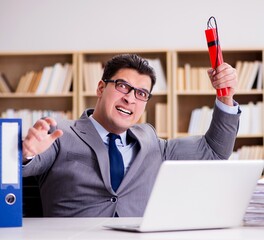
x=51, y=25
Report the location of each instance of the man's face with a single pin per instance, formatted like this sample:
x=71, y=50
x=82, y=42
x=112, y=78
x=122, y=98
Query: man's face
x=117, y=111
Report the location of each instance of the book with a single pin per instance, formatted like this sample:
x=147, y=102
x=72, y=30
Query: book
x=92, y=74
x=194, y=121
x=161, y=83
x=55, y=78
x=248, y=72
x=238, y=67
x=204, y=82
x=259, y=84
x=20, y=84
x=242, y=75
x=256, y=118
x=36, y=82
x=62, y=78
x=244, y=125
x=161, y=118
x=195, y=79
x=180, y=79
x=28, y=80
x=44, y=80
x=200, y=120
x=5, y=87
x=252, y=75
x=143, y=118
x=32, y=82
x=188, y=76
x=68, y=79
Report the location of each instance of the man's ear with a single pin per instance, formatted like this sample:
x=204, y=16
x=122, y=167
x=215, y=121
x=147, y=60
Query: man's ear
x=100, y=88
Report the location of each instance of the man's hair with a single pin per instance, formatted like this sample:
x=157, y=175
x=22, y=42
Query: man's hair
x=130, y=61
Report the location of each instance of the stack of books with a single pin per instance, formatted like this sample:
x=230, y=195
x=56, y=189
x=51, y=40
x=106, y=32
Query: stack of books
x=92, y=74
x=251, y=121
x=255, y=212
x=250, y=74
x=161, y=83
x=191, y=78
x=54, y=79
x=248, y=152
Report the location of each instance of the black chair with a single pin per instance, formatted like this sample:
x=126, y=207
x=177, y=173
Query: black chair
x=32, y=206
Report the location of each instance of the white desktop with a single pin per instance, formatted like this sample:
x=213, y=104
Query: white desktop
x=92, y=228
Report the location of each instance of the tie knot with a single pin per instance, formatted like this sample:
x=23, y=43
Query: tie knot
x=113, y=136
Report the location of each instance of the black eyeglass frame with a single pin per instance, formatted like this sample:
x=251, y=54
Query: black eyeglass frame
x=130, y=88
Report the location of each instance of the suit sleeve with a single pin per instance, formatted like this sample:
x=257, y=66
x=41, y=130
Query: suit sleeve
x=42, y=162
x=217, y=143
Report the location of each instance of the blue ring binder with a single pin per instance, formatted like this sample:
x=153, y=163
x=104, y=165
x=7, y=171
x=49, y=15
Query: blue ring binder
x=10, y=173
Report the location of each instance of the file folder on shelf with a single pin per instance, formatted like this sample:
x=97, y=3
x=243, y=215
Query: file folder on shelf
x=10, y=173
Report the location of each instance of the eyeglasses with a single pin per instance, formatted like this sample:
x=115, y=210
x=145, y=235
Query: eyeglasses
x=124, y=87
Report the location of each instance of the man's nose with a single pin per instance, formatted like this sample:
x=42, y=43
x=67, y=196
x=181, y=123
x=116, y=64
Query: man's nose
x=130, y=97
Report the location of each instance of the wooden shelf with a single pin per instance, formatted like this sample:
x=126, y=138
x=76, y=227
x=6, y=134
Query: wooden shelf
x=180, y=103
x=185, y=101
x=14, y=66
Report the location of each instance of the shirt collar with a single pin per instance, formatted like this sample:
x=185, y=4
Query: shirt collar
x=103, y=132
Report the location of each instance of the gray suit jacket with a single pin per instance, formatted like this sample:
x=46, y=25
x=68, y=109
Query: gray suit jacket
x=74, y=174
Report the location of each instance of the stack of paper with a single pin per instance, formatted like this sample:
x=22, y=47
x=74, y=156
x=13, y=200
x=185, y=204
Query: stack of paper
x=255, y=211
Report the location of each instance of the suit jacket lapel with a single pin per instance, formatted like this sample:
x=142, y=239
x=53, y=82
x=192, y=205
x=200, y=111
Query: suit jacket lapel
x=87, y=132
x=135, y=166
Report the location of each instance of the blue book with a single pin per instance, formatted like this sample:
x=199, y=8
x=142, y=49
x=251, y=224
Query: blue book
x=10, y=173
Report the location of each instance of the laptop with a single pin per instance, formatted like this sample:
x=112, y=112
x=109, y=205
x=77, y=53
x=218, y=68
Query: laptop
x=189, y=195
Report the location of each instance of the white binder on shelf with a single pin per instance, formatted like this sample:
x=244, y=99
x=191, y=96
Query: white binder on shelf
x=10, y=173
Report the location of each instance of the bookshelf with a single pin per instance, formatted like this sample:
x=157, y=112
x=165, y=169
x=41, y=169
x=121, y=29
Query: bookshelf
x=13, y=66
x=170, y=108
x=190, y=91
x=157, y=106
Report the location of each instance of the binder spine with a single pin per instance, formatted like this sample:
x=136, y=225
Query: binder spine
x=10, y=173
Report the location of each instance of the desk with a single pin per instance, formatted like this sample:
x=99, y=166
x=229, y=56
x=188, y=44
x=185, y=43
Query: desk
x=92, y=228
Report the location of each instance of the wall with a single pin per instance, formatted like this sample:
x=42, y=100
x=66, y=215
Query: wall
x=61, y=25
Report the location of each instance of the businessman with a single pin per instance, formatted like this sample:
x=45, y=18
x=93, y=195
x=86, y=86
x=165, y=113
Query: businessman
x=104, y=164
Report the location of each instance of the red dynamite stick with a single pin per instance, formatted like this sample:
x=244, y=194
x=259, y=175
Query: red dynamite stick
x=215, y=53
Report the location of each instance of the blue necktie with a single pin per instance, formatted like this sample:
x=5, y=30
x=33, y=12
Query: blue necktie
x=116, y=162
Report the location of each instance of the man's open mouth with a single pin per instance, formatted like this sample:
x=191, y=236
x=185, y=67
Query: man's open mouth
x=124, y=110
